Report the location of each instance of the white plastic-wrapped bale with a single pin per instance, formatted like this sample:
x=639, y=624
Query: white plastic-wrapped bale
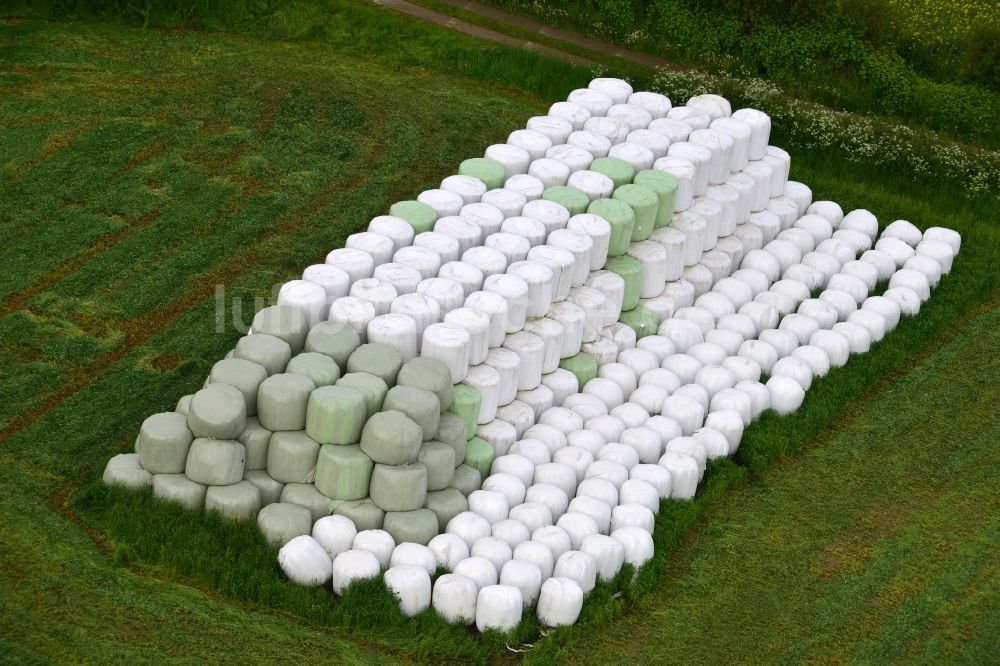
x=479, y=570
x=696, y=118
x=509, y=202
x=612, y=129
x=534, y=142
x=377, y=542
x=465, y=232
x=354, y=313
x=353, y=565
x=526, y=185
x=698, y=156
x=858, y=338
x=413, y=554
x=816, y=358
x=595, y=185
x=637, y=155
x=884, y=264
x=594, y=144
x=471, y=189
x=497, y=308
x=281, y=522
x=448, y=343
x=477, y=325
x=741, y=134
x=498, y=607
x=514, y=159
x=637, y=544
x=944, y=235
x=841, y=301
x=485, y=216
x=561, y=263
x=888, y=308
x=305, y=562
x=411, y=585
x=573, y=157
x=356, y=263
x=497, y=551
x=636, y=491
x=907, y=277
x=307, y=297
x=396, y=229
x=926, y=265
x=907, y=299
x=454, y=599
x=335, y=534
x=685, y=172
x=448, y=550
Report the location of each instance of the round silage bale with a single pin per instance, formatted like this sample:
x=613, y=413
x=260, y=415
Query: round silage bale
x=583, y=366
x=271, y=352
x=417, y=526
x=343, y=472
x=282, y=522
x=419, y=404
x=163, y=442
x=320, y=368
x=466, y=402
x=446, y=504
x=376, y=359
x=284, y=322
x=291, y=457
x=335, y=415
x=399, y=487
x=622, y=219
x=333, y=338
x=217, y=411
x=179, y=489
x=282, y=401
x=245, y=376
x=270, y=490
x=239, y=501
x=355, y=313
x=391, y=438
x=183, y=404
x=489, y=171
x=308, y=297
x=395, y=330
x=255, y=439
x=363, y=513
x=395, y=228
x=467, y=479
x=335, y=282
x=306, y=495
x=471, y=189
x=571, y=198
x=379, y=246
x=479, y=455
x=417, y=214
x=215, y=462
x=452, y=431
x=429, y=374
x=372, y=389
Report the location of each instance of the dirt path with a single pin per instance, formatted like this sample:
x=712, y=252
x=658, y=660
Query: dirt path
x=478, y=31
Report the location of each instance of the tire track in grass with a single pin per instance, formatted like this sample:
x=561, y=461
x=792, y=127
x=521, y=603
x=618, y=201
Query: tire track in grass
x=141, y=329
x=73, y=263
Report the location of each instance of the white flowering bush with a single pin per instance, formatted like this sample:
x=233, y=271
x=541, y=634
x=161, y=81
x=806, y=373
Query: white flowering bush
x=859, y=139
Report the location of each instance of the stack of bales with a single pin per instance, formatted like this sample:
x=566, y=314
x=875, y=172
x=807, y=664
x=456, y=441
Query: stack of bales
x=581, y=318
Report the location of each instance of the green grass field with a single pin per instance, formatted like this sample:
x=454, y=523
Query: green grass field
x=140, y=168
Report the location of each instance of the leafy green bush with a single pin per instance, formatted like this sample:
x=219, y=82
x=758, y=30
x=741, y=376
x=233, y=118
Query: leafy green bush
x=890, y=80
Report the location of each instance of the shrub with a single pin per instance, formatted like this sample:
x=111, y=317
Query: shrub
x=890, y=80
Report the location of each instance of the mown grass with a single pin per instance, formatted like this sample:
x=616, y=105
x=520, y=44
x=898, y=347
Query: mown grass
x=262, y=156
